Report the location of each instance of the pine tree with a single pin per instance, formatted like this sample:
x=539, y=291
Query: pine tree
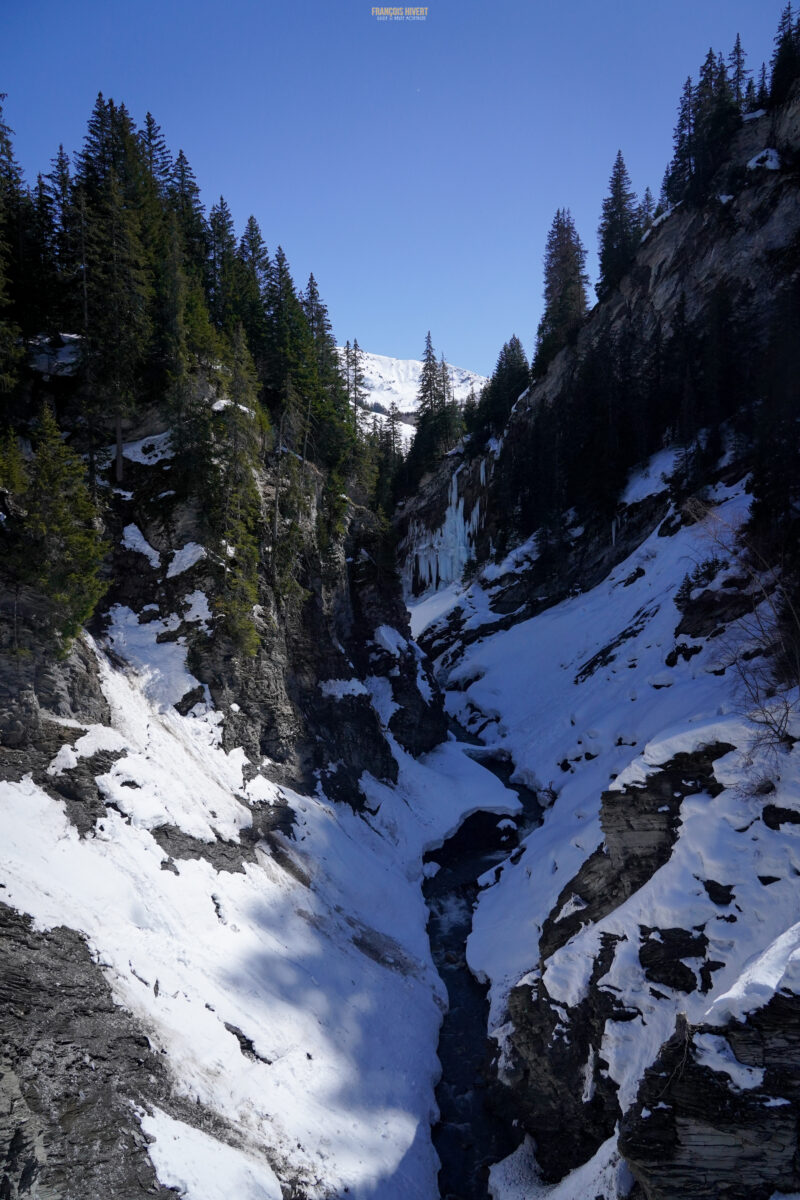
x=762, y=96
x=565, y=284
x=619, y=232
x=117, y=307
x=157, y=157
x=785, y=64
x=221, y=269
x=183, y=196
x=56, y=546
x=738, y=74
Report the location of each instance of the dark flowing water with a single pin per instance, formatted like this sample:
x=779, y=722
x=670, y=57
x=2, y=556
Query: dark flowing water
x=471, y=1133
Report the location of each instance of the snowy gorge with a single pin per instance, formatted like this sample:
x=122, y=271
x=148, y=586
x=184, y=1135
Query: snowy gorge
x=219, y=978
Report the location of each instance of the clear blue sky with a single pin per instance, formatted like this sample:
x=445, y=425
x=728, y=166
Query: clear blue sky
x=414, y=167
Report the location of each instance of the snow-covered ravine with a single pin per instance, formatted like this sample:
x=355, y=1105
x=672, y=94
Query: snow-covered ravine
x=294, y=1000
x=470, y=1135
x=596, y=695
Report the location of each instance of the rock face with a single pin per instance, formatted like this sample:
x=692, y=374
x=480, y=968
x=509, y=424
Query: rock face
x=576, y=1034
x=76, y=1070
x=562, y=1092
x=639, y=824
x=722, y=1126
x=72, y=1068
x=744, y=245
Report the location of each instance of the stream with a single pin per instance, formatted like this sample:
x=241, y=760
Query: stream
x=471, y=1134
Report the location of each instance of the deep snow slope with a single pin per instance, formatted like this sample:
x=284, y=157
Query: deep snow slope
x=662, y=883
x=390, y=381
x=268, y=989
x=217, y=977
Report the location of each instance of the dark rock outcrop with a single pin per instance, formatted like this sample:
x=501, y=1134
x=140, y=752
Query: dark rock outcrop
x=640, y=824
x=698, y=1132
x=72, y=1067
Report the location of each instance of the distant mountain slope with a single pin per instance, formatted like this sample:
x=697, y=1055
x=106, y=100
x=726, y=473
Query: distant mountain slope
x=396, y=380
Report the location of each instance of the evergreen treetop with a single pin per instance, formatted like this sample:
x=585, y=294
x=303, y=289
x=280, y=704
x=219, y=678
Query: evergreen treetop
x=565, y=290
x=619, y=232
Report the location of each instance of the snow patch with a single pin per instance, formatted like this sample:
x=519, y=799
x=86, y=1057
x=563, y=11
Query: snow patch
x=134, y=539
x=184, y=558
x=200, y=1167
x=652, y=478
x=715, y=1053
x=338, y=688
x=162, y=665
x=148, y=450
x=769, y=159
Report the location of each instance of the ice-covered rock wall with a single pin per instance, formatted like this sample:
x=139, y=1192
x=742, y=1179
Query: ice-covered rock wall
x=433, y=556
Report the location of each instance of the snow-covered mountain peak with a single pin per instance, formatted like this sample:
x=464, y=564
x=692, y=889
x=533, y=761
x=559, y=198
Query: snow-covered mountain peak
x=396, y=380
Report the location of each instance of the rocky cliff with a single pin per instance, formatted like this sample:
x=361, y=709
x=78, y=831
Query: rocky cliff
x=640, y=945
x=159, y=796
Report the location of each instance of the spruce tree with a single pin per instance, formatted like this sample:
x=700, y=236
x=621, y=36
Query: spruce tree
x=750, y=98
x=221, y=268
x=157, y=157
x=738, y=74
x=619, y=232
x=10, y=350
x=55, y=544
x=785, y=63
x=510, y=378
x=681, y=170
x=428, y=391
x=431, y=418
x=716, y=116
x=646, y=211
x=183, y=196
x=253, y=268
x=565, y=284
x=289, y=347
x=357, y=377
x=67, y=300
x=117, y=307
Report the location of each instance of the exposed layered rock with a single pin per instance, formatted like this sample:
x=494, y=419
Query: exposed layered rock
x=718, y=1112
x=640, y=825
x=72, y=1069
x=559, y=1080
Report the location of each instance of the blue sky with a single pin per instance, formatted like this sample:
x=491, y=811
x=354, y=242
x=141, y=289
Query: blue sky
x=414, y=167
